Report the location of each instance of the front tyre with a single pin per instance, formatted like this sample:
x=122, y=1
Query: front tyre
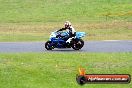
x=77, y=44
x=48, y=45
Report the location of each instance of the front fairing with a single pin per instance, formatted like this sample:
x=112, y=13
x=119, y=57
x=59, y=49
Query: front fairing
x=52, y=35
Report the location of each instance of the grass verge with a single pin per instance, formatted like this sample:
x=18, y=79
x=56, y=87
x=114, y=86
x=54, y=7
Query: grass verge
x=115, y=30
x=22, y=20
x=58, y=70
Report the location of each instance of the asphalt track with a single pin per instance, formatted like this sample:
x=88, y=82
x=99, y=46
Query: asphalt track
x=90, y=46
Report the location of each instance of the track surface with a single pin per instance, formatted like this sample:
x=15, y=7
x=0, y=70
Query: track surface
x=90, y=46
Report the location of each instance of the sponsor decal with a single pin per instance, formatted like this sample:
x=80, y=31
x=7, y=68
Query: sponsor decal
x=84, y=78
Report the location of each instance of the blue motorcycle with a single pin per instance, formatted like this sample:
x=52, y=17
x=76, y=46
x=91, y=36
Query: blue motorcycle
x=58, y=40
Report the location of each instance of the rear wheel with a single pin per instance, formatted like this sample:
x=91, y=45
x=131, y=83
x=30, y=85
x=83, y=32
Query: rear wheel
x=48, y=45
x=77, y=44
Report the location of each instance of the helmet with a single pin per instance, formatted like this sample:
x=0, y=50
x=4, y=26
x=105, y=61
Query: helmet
x=67, y=24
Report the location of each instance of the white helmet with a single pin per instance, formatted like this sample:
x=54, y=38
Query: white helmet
x=67, y=24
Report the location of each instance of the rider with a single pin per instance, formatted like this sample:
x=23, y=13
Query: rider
x=70, y=30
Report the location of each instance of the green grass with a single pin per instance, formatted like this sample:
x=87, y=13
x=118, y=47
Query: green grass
x=20, y=11
x=58, y=70
x=115, y=30
x=33, y=20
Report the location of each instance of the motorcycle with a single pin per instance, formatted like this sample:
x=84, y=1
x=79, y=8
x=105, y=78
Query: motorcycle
x=58, y=40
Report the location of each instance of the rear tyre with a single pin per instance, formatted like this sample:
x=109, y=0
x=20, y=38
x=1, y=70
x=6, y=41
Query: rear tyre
x=77, y=44
x=48, y=45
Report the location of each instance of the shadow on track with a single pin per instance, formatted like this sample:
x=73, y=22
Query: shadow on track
x=63, y=50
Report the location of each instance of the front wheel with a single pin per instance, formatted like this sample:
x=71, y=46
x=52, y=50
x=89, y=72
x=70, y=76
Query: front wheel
x=48, y=45
x=77, y=44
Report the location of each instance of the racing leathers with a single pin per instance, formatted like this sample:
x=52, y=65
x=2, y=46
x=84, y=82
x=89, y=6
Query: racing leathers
x=71, y=31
